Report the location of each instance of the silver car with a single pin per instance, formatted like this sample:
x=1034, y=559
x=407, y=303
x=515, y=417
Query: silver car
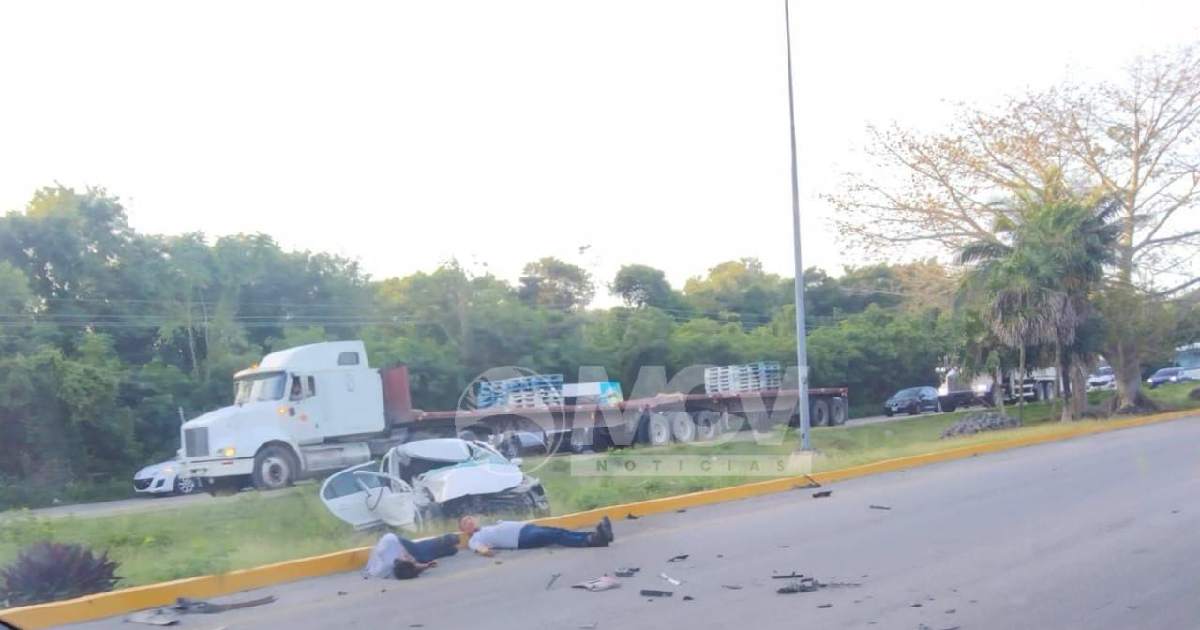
x=164, y=478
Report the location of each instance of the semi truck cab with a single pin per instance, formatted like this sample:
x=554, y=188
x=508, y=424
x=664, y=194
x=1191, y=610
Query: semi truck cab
x=284, y=413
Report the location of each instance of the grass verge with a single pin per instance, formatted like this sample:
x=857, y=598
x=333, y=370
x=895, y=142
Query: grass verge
x=252, y=530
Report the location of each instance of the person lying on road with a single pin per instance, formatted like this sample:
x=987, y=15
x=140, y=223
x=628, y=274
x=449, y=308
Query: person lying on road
x=403, y=559
x=521, y=535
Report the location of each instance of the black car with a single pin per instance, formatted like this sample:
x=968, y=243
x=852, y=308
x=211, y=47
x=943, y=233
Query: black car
x=913, y=400
x=1166, y=375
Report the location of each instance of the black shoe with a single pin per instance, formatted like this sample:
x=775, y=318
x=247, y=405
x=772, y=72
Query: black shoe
x=597, y=539
x=605, y=528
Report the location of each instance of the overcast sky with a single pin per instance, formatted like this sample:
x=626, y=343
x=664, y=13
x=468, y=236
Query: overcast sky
x=406, y=133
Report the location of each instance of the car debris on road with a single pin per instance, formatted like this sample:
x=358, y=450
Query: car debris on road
x=680, y=558
x=822, y=494
x=602, y=583
x=648, y=592
x=670, y=579
x=627, y=571
x=879, y=507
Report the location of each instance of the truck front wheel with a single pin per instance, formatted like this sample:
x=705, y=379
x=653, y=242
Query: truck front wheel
x=274, y=468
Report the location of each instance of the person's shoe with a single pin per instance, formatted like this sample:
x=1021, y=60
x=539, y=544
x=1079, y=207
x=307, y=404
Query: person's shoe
x=597, y=539
x=605, y=527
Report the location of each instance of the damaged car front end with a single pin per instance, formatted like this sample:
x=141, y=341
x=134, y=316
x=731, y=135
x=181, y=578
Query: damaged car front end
x=427, y=480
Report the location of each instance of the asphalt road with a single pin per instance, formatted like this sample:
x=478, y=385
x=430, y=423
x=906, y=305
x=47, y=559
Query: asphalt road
x=1096, y=532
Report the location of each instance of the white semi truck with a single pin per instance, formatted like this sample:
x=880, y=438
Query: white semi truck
x=321, y=407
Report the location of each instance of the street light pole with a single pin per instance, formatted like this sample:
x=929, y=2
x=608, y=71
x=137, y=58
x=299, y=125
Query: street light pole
x=801, y=342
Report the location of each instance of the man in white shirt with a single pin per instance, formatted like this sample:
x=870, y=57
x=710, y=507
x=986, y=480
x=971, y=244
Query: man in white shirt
x=520, y=535
x=403, y=559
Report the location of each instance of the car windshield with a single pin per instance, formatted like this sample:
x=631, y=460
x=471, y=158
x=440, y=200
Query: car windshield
x=1167, y=372
x=1104, y=371
x=911, y=392
x=259, y=387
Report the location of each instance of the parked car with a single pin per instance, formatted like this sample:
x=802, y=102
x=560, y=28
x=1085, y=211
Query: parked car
x=1166, y=375
x=165, y=478
x=913, y=400
x=1102, y=378
x=520, y=443
x=426, y=480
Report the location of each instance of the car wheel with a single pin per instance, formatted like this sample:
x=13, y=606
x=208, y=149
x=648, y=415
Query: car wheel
x=274, y=468
x=915, y=409
x=888, y=412
x=186, y=485
x=837, y=411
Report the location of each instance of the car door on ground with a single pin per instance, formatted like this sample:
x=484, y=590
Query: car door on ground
x=344, y=495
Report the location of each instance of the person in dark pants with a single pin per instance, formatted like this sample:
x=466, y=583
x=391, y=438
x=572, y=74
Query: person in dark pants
x=520, y=535
x=403, y=559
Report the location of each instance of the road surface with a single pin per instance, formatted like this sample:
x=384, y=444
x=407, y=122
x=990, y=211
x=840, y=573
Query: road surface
x=1096, y=532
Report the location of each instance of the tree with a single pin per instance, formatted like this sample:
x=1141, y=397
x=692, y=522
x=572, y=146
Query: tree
x=1039, y=285
x=738, y=290
x=553, y=283
x=641, y=285
x=1136, y=141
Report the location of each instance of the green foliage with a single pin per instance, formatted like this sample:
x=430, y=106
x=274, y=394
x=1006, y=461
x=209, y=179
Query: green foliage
x=48, y=572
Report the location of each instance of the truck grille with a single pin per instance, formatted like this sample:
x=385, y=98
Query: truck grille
x=195, y=442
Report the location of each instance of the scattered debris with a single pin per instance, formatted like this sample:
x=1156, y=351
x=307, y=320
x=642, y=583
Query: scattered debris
x=602, y=583
x=589, y=626
x=646, y=592
x=670, y=579
x=825, y=606
x=880, y=507
x=680, y=558
x=416, y=625
x=688, y=598
x=498, y=562
x=720, y=555
x=822, y=494
x=155, y=617
x=732, y=587
x=189, y=606
x=951, y=611
x=340, y=593
x=553, y=578
x=680, y=510
x=792, y=575
x=632, y=517
x=916, y=605
x=980, y=421
x=805, y=585
x=627, y=571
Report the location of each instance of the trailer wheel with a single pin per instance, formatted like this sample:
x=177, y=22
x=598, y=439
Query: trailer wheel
x=658, y=429
x=819, y=412
x=682, y=427
x=837, y=411
x=274, y=468
x=708, y=426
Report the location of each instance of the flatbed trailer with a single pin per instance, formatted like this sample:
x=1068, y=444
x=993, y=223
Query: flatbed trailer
x=655, y=420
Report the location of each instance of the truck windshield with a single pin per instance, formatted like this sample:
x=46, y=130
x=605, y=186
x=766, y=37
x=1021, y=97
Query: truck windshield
x=259, y=387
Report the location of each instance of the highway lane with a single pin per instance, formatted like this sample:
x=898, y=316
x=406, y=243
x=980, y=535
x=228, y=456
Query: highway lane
x=1096, y=532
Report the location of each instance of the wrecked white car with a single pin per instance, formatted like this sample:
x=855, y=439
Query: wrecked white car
x=426, y=480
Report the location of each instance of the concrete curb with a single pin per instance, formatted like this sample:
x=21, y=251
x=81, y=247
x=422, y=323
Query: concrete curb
x=151, y=595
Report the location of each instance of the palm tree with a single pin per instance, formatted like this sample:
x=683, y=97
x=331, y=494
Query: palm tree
x=1037, y=282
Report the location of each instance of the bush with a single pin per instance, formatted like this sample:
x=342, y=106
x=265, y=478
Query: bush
x=1194, y=394
x=47, y=572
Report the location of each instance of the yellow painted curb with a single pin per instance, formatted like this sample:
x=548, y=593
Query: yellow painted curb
x=151, y=595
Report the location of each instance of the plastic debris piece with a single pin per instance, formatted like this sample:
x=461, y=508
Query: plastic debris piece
x=627, y=571
x=822, y=494
x=680, y=558
x=553, y=578
x=880, y=507
x=188, y=606
x=602, y=583
x=825, y=606
x=789, y=576
x=632, y=517
x=688, y=598
x=670, y=579
x=647, y=592
x=732, y=587
x=155, y=617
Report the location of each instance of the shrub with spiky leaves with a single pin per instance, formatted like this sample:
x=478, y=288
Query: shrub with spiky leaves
x=48, y=571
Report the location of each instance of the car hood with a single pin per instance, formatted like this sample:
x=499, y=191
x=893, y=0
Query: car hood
x=452, y=482
x=152, y=470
